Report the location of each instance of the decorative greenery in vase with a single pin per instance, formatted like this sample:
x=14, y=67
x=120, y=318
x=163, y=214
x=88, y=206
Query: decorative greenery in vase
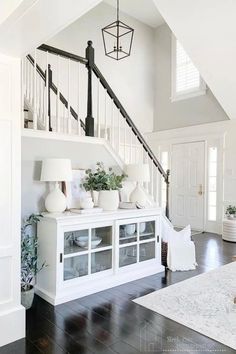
x=29, y=255
x=102, y=180
x=231, y=211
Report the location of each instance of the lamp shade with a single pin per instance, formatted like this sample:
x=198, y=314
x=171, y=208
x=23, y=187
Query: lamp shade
x=138, y=172
x=56, y=170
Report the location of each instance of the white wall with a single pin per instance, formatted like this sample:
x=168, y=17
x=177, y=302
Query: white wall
x=82, y=155
x=34, y=21
x=130, y=78
x=207, y=31
x=183, y=113
x=220, y=134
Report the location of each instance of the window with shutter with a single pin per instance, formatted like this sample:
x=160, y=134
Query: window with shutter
x=186, y=80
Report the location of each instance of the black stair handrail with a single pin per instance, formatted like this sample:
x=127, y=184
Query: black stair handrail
x=55, y=90
x=62, y=53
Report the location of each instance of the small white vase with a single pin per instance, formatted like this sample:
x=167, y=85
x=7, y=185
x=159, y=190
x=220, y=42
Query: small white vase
x=87, y=203
x=108, y=200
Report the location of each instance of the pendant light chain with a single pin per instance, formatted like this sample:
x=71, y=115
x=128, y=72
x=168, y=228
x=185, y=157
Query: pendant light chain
x=118, y=10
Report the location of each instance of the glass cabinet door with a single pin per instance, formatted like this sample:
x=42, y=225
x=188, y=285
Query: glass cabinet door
x=87, y=251
x=137, y=241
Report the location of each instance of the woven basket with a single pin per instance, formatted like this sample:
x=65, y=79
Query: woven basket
x=164, y=250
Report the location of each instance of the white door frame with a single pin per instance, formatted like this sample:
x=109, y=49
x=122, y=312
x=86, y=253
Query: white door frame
x=212, y=136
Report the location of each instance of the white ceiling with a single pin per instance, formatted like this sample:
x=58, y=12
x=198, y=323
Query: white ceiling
x=143, y=10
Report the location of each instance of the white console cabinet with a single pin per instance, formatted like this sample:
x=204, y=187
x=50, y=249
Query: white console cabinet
x=89, y=253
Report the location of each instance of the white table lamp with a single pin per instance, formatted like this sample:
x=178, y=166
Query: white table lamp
x=138, y=173
x=56, y=170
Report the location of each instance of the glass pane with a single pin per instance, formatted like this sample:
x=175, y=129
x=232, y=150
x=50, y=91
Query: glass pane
x=213, y=154
x=101, y=237
x=75, y=241
x=146, y=251
x=212, y=169
x=128, y=255
x=128, y=233
x=101, y=261
x=212, y=184
x=212, y=198
x=147, y=230
x=212, y=213
x=75, y=267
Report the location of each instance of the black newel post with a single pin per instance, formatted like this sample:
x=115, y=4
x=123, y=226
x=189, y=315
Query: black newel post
x=167, y=194
x=49, y=73
x=89, y=121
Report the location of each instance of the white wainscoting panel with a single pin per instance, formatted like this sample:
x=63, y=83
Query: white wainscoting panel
x=12, y=314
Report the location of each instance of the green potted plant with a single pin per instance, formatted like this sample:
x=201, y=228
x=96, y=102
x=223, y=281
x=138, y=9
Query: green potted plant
x=231, y=212
x=29, y=259
x=107, y=183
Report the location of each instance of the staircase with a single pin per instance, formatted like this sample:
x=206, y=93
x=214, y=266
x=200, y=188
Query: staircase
x=62, y=88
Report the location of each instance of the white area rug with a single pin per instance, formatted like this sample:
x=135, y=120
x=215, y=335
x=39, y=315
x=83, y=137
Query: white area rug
x=203, y=303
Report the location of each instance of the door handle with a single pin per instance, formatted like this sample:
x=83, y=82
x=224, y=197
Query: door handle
x=200, y=192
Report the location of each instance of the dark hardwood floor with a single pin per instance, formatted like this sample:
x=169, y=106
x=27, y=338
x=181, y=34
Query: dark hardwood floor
x=109, y=322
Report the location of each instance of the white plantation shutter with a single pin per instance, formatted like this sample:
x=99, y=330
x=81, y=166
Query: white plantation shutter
x=186, y=77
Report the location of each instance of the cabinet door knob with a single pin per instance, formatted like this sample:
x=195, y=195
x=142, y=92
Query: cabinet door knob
x=61, y=257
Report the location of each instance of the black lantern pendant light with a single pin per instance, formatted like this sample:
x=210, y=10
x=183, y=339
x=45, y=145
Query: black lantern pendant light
x=117, y=38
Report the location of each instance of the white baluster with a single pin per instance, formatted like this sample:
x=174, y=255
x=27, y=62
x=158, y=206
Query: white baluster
x=22, y=92
x=112, y=124
x=28, y=81
x=131, y=146
x=68, y=111
x=119, y=123
x=146, y=157
x=152, y=178
x=78, y=107
x=156, y=185
x=47, y=85
x=105, y=116
x=137, y=150
x=98, y=109
x=125, y=157
x=58, y=95
x=35, y=123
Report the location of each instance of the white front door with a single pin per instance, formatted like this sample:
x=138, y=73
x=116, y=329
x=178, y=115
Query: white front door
x=187, y=181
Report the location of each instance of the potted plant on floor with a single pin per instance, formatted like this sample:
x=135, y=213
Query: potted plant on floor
x=108, y=185
x=231, y=212
x=29, y=259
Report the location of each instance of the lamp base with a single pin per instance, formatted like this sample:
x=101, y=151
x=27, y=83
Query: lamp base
x=138, y=196
x=56, y=200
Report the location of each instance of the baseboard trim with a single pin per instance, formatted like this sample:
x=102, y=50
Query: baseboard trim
x=12, y=325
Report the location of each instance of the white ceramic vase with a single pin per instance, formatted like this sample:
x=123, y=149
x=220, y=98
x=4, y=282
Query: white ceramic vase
x=108, y=200
x=87, y=203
